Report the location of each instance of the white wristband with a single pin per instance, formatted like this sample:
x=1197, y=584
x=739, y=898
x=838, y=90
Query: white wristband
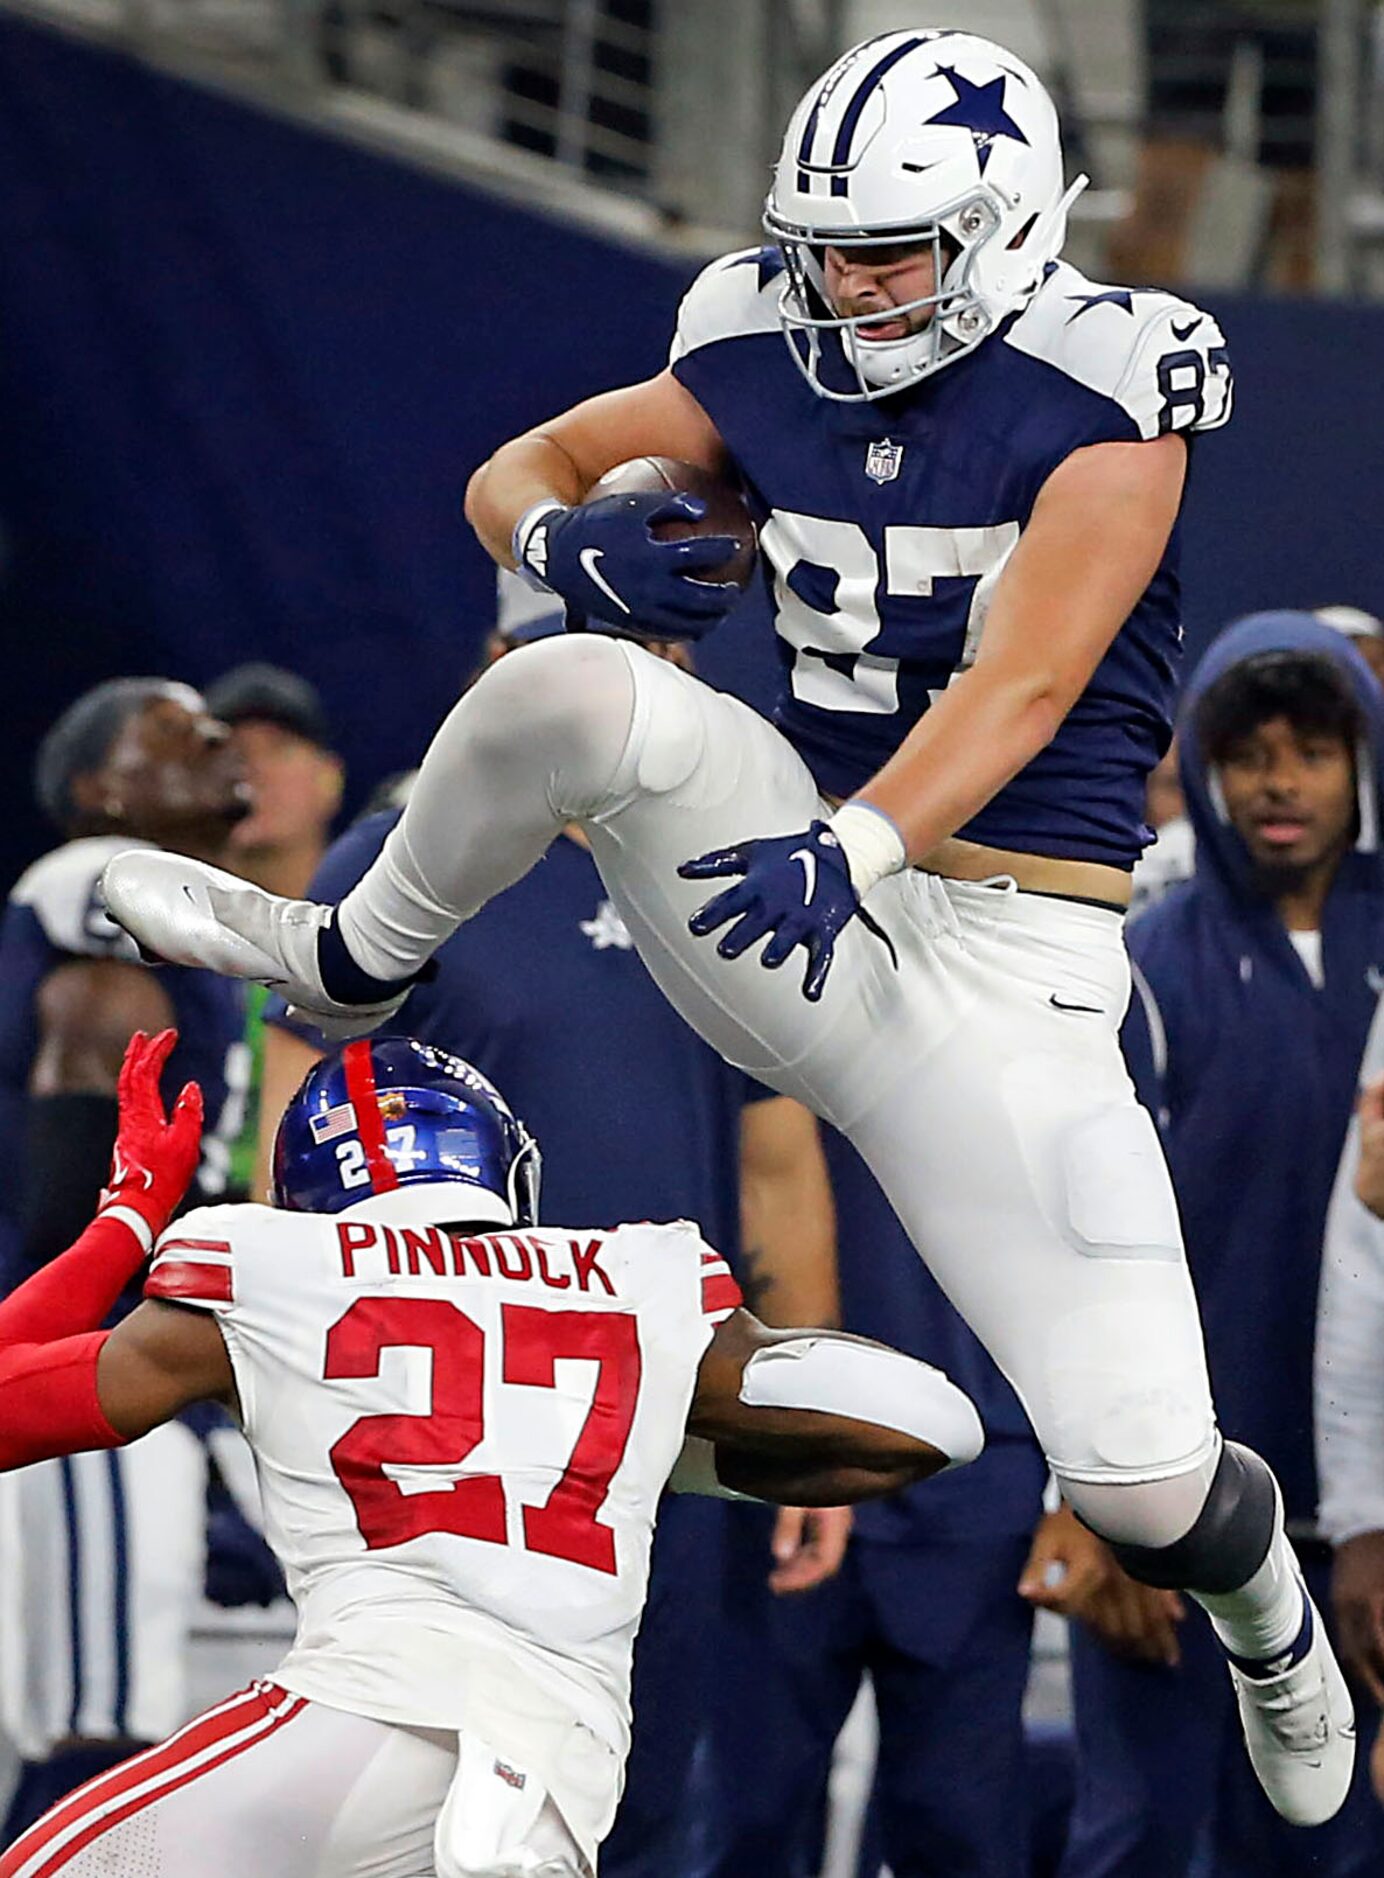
x=136, y=1222
x=533, y=571
x=872, y=845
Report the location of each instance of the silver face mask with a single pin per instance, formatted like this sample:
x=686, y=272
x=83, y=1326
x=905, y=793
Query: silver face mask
x=957, y=318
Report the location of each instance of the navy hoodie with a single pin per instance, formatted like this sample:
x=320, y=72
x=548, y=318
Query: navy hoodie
x=1251, y=1070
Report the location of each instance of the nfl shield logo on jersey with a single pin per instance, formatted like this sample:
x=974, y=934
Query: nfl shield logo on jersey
x=882, y=461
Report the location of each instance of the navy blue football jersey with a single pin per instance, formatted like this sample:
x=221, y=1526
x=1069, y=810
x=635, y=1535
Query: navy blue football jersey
x=55, y=915
x=885, y=526
x=543, y=991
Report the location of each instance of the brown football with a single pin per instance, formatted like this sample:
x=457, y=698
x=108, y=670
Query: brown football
x=726, y=509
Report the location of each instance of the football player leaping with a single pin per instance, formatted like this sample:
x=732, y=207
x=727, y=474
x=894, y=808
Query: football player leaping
x=462, y=1422
x=968, y=462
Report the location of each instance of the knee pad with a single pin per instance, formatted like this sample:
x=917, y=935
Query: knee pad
x=1226, y=1543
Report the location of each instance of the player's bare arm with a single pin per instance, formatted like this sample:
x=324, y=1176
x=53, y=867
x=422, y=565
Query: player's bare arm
x=827, y=1417
x=558, y=461
x=787, y=1216
x=1098, y=531
x=159, y=1361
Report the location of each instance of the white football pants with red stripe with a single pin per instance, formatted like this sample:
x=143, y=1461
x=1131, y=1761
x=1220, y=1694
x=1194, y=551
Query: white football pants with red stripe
x=271, y=1784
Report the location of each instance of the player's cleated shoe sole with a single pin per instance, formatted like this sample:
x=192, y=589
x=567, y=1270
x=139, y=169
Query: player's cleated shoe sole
x=1300, y=1731
x=188, y=913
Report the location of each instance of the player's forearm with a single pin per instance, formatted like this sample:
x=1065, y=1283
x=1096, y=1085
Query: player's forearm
x=980, y=733
x=787, y=1217
x=76, y=1290
x=49, y=1403
x=799, y=1481
x=824, y=1399
x=529, y=470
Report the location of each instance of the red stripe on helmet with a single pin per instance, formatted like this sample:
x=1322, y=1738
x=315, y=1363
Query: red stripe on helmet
x=361, y=1093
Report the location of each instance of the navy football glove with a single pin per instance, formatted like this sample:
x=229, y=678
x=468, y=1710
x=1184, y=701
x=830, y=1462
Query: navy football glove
x=796, y=888
x=607, y=564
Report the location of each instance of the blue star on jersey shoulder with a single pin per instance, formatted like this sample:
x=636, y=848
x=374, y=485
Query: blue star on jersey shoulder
x=1122, y=297
x=978, y=109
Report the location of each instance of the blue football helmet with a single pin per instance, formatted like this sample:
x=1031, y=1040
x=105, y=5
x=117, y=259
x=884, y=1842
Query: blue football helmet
x=396, y=1120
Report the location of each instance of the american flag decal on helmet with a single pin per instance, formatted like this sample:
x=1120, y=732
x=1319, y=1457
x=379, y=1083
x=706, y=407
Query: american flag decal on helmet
x=338, y=1121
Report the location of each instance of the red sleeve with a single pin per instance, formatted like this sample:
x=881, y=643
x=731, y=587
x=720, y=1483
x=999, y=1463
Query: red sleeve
x=75, y=1290
x=48, y=1400
x=192, y=1271
x=720, y=1293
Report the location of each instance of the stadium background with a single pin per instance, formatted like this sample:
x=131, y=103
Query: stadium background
x=248, y=362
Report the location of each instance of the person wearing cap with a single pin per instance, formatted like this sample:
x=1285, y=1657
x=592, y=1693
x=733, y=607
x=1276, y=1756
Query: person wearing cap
x=101, y=1557
x=638, y=1117
x=279, y=729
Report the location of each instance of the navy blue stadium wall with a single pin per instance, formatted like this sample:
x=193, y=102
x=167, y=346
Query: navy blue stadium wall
x=245, y=370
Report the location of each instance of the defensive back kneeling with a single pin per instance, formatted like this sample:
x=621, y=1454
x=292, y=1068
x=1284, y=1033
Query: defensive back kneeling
x=462, y=1422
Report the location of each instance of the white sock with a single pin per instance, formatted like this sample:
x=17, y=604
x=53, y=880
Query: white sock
x=1263, y=1618
x=535, y=743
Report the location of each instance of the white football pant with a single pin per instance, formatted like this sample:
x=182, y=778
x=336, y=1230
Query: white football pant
x=982, y=1079
x=271, y=1785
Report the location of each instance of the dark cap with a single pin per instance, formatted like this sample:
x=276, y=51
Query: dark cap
x=81, y=739
x=272, y=695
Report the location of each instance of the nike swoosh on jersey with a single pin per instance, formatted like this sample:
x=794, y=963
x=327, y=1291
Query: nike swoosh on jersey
x=1093, y=1010
x=588, y=558
x=809, y=861
x=1185, y=332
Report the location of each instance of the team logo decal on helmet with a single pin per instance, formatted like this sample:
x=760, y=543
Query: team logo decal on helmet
x=923, y=142
x=394, y=1117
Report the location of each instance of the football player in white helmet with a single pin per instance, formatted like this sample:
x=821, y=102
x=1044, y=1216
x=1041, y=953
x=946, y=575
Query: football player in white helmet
x=967, y=478
x=956, y=212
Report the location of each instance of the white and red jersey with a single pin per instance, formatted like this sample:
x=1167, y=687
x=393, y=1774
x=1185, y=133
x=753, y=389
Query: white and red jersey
x=461, y=1443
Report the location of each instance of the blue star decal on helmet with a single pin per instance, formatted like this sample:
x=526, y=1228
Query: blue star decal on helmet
x=978, y=109
x=1122, y=297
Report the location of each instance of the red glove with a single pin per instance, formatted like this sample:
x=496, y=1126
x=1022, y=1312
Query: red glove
x=49, y=1344
x=154, y=1158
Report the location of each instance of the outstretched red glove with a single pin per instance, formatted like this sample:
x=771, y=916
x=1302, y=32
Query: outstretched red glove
x=49, y=1341
x=154, y=1157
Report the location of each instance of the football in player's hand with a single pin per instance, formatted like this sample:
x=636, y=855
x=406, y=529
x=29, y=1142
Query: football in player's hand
x=726, y=510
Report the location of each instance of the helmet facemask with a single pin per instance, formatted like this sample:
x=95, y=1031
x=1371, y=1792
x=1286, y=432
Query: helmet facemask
x=956, y=317
x=911, y=138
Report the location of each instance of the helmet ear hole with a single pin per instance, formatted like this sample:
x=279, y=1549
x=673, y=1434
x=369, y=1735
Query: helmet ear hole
x=1017, y=241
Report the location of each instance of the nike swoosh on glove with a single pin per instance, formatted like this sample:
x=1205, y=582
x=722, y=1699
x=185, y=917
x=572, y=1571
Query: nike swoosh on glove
x=607, y=564
x=795, y=888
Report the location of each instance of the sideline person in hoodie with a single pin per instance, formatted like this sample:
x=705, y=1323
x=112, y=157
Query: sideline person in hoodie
x=1256, y=982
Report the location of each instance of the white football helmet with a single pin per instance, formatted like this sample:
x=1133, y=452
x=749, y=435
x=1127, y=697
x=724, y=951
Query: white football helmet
x=911, y=137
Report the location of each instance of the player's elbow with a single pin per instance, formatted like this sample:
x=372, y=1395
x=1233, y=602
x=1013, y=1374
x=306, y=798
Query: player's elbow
x=1032, y=701
x=472, y=502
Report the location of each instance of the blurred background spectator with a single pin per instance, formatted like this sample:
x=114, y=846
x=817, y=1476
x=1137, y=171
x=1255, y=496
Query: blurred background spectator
x=279, y=731
x=1350, y=1394
x=1257, y=983
x=102, y=1555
